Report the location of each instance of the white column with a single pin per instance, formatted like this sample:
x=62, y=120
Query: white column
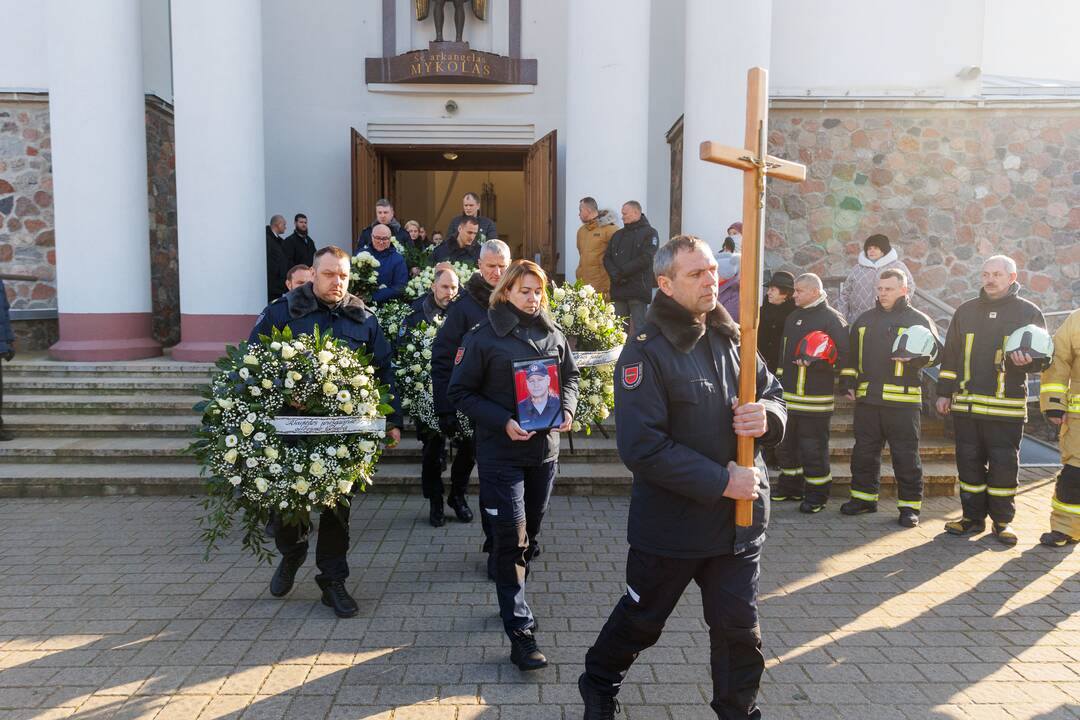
x=723, y=41
x=98, y=125
x=607, y=110
x=220, y=178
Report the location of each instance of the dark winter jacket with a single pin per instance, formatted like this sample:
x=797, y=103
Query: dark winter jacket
x=469, y=309
x=424, y=309
x=449, y=251
x=277, y=266
x=7, y=337
x=871, y=372
x=628, y=261
x=973, y=368
x=673, y=425
x=771, y=330
x=364, y=241
x=811, y=390
x=487, y=229
x=300, y=249
x=349, y=320
x=393, y=275
x=483, y=386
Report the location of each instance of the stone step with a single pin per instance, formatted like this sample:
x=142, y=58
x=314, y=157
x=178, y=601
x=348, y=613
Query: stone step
x=77, y=385
x=38, y=364
x=27, y=425
x=145, y=447
x=575, y=478
x=130, y=404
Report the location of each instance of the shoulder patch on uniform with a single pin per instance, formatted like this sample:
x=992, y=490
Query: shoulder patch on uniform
x=460, y=354
x=631, y=375
x=655, y=240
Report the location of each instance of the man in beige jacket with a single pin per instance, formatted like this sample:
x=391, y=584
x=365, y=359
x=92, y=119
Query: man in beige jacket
x=592, y=240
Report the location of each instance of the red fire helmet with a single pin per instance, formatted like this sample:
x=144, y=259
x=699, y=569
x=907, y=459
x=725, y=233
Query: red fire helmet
x=815, y=347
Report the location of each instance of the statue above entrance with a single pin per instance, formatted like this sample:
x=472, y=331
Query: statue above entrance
x=424, y=7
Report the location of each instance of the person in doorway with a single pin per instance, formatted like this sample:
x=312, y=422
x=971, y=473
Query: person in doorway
x=384, y=215
x=470, y=208
x=300, y=247
x=628, y=261
x=393, y=273
x=465, y=248
x=597, y=227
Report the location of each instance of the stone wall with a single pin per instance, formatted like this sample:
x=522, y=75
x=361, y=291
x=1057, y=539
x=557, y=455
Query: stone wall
x=27, y=238
x=948, y=186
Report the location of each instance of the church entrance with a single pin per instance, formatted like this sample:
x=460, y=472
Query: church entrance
x=516, y=185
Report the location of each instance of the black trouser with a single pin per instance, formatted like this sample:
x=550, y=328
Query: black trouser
x=987, y=461
x=1065, y=507
x=434, y=460
x=331, y=546
x=515, y=499
x=804, y=455
x=654, y=585
x=874, y=425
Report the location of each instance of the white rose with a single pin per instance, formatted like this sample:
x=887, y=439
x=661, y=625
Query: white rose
x=331, y=451
x=416, y=368
x=329, y=388
x=260, y=436
x=603, y=412
x=230, y=456
x=325, y=356
x=295, y=376
x=287, y=352
x=317, y=469
x=255, y=392
x=267, y=383
x=251, y=360
x=342, y=451
x=247, y=428
x=582, y=294
x=297, y=467
x=225, y=403
x=311, y=496
x=347, y=408
x=301, y=486
x=275, y=345
x=426, y=354
x=261, y=484
x=366, y=447
x=251, y=462
x=284, y=504
x=270, y=453
x=344, y=486
x=243, y=373
x=235, y=480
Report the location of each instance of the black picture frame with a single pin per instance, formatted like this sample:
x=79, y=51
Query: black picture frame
x=529, y=415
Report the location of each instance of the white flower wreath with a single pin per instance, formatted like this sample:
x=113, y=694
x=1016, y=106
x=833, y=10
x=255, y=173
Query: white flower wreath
x=422, y=282
x=363, y=275
x=591, y=325
x=254, y=469
x=413, y=362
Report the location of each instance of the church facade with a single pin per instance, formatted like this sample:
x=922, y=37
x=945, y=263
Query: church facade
x=144, y=144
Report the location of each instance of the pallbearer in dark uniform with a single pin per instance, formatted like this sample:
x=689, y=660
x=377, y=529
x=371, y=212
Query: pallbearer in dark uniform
x=677, y=418
x=430, y=309
x=325, y=303
x=540, y=410
x=884, y=378
x=517, y=466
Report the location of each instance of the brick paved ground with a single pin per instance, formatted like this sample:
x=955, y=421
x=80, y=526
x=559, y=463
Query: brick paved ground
x=107, y=610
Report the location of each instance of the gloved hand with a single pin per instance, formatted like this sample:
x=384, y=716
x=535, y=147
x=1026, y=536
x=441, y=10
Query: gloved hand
x=9, y=355
x=449, y=425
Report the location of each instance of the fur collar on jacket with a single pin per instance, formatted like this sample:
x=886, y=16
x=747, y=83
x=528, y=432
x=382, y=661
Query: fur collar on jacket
x=606, y=217
x=302, y=301
x=889, y=257
x=681, y=328
x=504, y=319
x=479, y=289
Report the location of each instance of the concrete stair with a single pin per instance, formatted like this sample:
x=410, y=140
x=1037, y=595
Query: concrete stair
x=122, y=428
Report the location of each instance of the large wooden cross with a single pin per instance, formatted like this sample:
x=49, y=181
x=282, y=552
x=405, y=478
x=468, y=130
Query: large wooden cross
x=755, y=162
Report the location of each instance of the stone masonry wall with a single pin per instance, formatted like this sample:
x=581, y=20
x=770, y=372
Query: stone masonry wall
x=949, y=188
x=27, y=237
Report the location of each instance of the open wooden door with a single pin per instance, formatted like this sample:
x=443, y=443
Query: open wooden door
x=366, y=182
x=541, y=168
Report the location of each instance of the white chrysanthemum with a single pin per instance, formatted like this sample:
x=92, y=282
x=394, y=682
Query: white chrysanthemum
x=231, y=441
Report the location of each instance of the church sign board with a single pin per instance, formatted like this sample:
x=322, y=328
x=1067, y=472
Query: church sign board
x=451, y=62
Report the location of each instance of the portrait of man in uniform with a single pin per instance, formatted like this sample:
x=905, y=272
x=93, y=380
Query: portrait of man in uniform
x=537, y=383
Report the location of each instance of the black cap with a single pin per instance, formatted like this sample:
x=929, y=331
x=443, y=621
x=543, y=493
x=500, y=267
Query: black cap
x=536, y=369
x=781, y=279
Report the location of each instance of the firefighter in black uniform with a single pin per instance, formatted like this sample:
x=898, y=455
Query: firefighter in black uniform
x=431, y=308
x=325, y=303
x=809, y=388
x=469, y=309
x=677, y=417
x=985, y=390
x=888, y=400
x=516, y=466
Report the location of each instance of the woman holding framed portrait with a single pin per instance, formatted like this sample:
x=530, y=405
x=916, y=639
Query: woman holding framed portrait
x=515, y=378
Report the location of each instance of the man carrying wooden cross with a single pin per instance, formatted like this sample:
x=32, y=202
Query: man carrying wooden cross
x=691, y=396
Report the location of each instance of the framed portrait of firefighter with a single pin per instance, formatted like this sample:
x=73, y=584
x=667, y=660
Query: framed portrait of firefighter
x=536, y=382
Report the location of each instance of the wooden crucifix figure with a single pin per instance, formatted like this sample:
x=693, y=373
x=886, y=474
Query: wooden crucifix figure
x=755, y=162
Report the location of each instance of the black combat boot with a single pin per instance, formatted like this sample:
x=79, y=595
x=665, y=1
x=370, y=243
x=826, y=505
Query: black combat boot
x=436, y=516
x=909, y=517
x=598, y=706
x=523, y=651
x=334, y=595
x=284, y=576
x=460, y=507
x=857, y=506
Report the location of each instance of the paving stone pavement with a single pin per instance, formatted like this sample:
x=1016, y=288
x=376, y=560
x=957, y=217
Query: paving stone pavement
x=107, y=610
